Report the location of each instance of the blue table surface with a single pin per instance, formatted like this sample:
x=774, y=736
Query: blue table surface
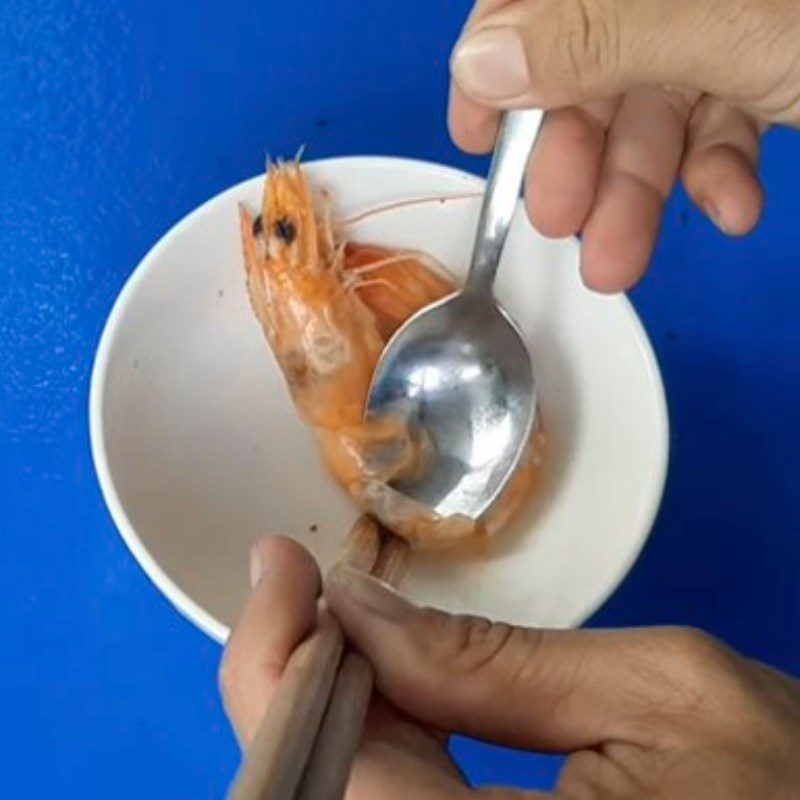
x=119, y=116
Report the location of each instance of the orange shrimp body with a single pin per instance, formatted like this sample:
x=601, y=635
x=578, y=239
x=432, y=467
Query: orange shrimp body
x=394, y=285
x=327, y=308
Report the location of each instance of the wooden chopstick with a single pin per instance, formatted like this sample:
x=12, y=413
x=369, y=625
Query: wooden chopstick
x=275, y=760
x=331, y=759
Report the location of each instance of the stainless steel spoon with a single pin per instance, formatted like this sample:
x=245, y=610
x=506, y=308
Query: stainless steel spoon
x=459, y=370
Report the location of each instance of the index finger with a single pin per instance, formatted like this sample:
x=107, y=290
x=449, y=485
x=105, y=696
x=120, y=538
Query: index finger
x=279, y=613
x=553, y=690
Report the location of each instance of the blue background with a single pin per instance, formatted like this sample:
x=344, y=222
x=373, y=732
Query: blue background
x=116, y=118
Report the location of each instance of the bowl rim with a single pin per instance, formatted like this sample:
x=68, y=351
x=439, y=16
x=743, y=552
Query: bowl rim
x=179, y=599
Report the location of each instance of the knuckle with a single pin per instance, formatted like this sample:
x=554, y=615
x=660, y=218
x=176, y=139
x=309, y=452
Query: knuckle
x=693, y=648
x=694, y=666
x=471, y=644
x=709, y=681
x=771, y=30
x=680, y=100
x=779, y=99
x=578, y=780
x=588, y=38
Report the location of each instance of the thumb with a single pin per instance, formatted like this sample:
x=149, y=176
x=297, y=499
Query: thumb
x=553, y=53
x=544, y=690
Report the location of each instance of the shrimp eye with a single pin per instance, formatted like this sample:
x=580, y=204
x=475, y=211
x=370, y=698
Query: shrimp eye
x=257, y=226
x=285, y=230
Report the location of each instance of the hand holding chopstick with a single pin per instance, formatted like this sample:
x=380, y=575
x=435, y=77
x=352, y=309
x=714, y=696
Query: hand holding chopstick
x=307, y=740
x=335, y=749
x=443, y=673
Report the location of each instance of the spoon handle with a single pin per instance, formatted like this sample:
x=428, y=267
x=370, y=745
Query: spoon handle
x=518, y=131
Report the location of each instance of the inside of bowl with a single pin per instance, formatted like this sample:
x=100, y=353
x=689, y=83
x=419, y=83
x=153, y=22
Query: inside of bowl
x=204, y=452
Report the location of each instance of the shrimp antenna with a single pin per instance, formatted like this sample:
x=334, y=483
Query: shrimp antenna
x=300, y=152
x=414, y=201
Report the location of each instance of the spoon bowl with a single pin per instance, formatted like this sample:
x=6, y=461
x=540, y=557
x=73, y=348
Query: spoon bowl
x=472, y=397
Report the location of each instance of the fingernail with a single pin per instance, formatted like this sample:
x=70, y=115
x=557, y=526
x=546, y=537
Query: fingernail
x=369, y=593
x=713, y=213
x=492, y=64
x=256, y=564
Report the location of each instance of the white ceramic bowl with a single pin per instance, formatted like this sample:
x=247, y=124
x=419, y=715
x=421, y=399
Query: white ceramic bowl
x=199, y=451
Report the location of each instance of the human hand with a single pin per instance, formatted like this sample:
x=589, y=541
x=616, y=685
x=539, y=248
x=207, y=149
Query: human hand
x=667, y=713
x=661, y=712
x=638, y=94
x=398, y=759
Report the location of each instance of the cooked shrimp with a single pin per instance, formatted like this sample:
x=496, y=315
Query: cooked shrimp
x=394, y=285
x=327, y=307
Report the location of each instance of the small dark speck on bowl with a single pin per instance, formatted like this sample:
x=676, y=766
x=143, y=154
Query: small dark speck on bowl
x=221, y=293
x=322, y=122
x=313, y=528
x=683, y=218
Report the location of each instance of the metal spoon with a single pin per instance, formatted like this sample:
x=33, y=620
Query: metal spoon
x=459, y=370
